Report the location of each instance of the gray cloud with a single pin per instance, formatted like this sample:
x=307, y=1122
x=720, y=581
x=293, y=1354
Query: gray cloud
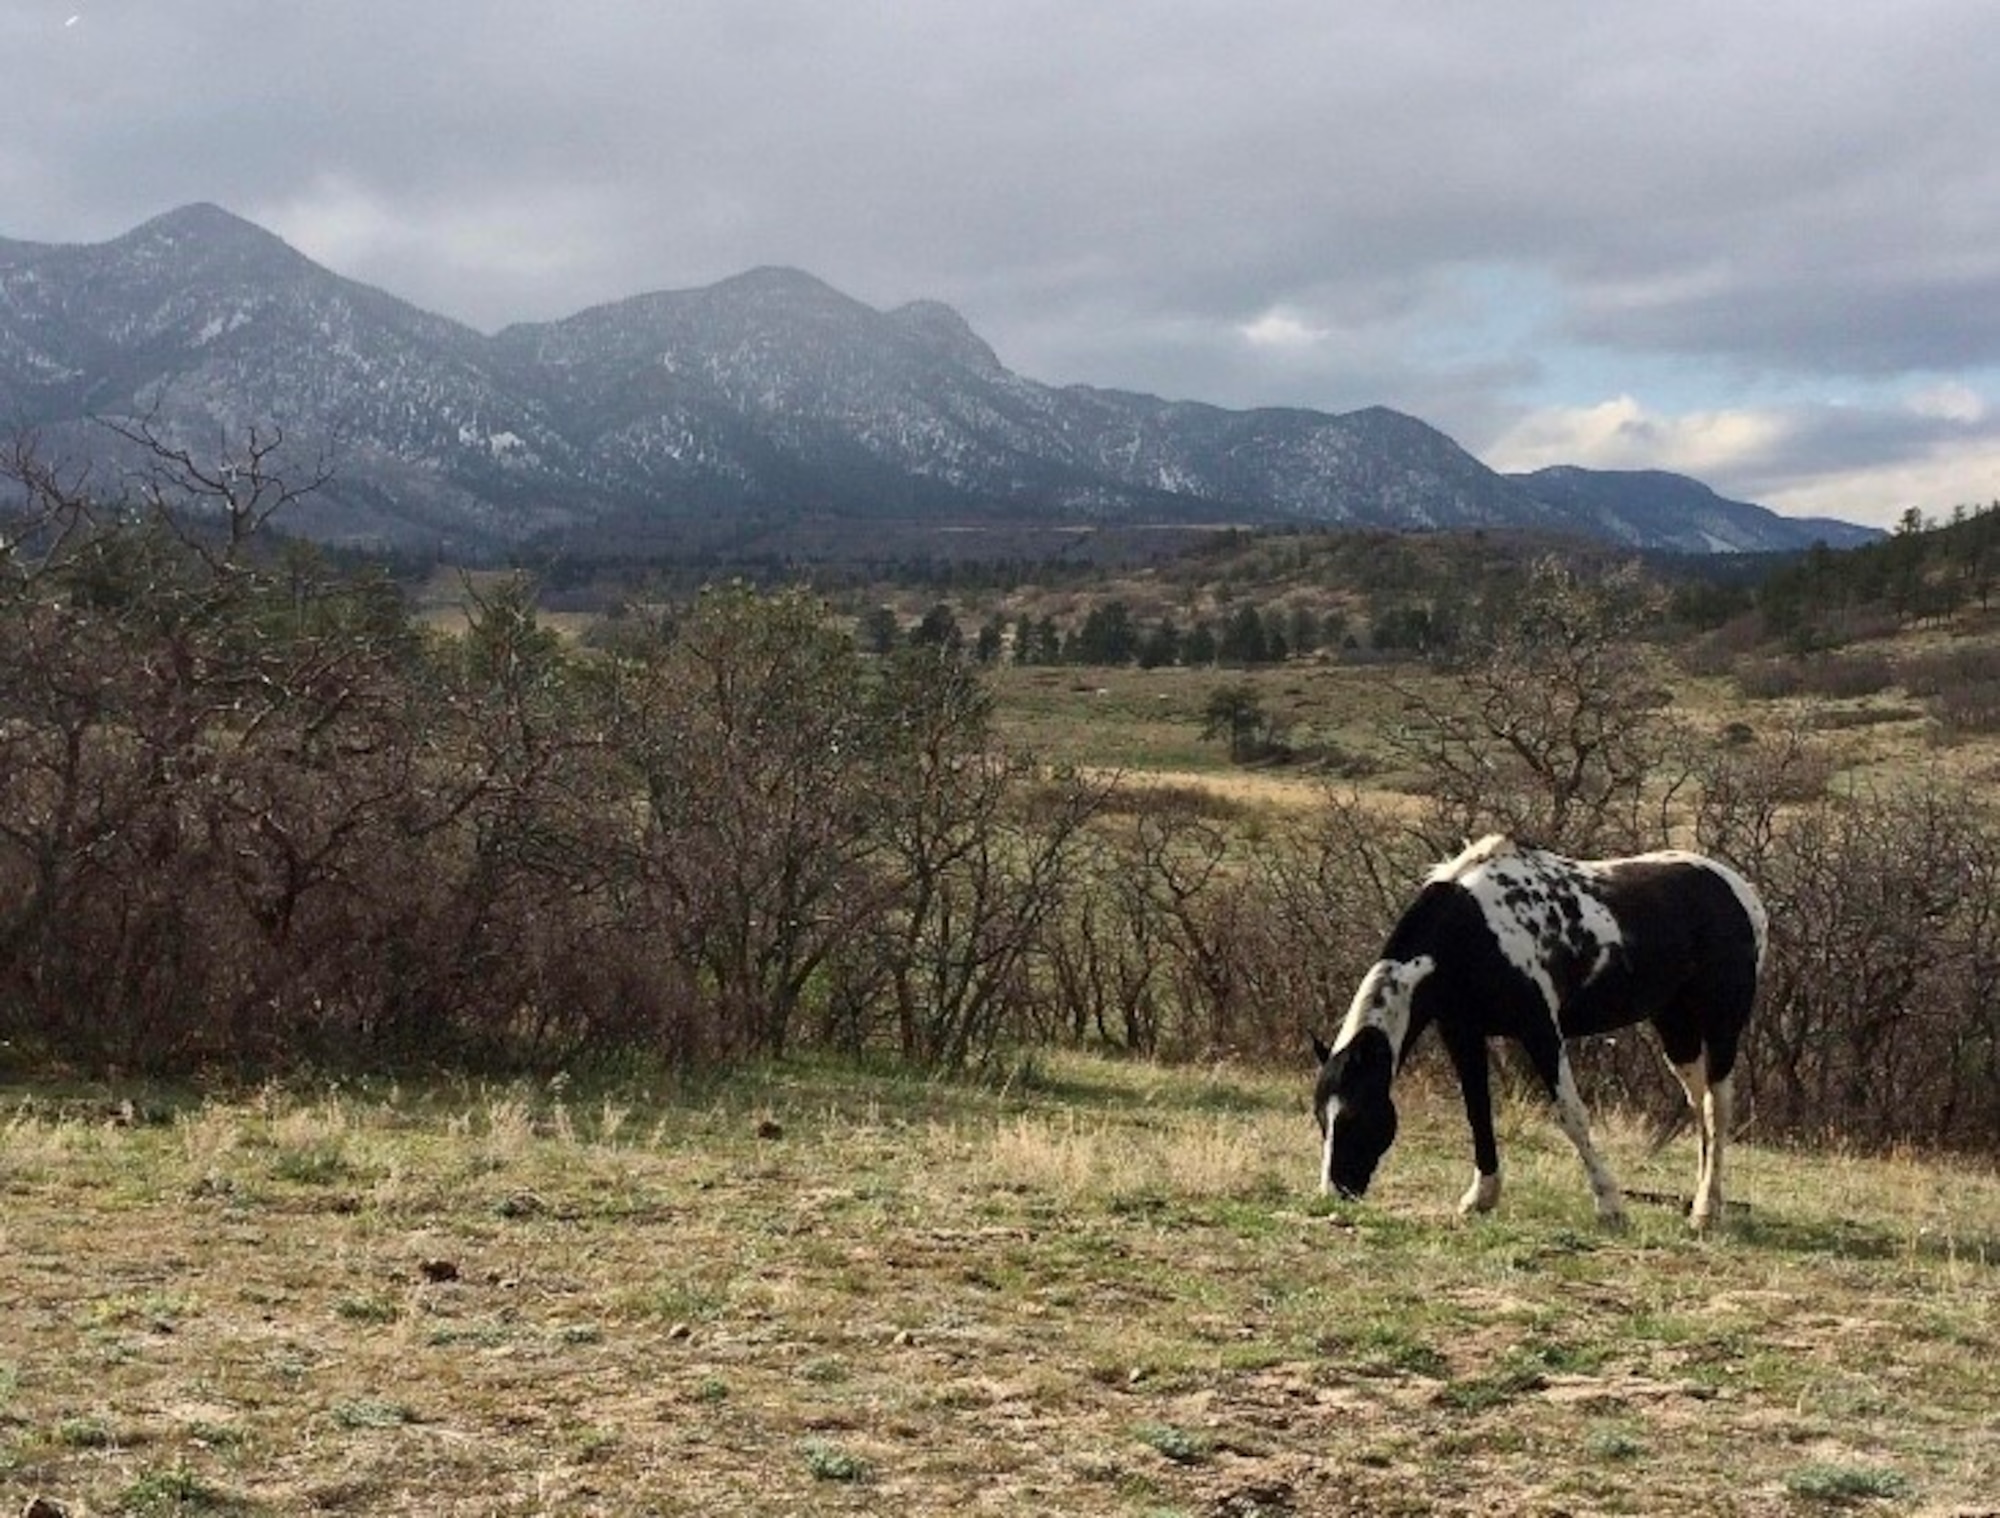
x=1470, y=212
x=1823, y=438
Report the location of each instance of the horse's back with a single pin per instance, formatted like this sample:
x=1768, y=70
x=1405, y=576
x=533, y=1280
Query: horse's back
x=1727, y=905
x=1695, y=935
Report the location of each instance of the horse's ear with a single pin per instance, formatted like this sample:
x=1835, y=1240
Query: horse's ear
x=1320, y=1050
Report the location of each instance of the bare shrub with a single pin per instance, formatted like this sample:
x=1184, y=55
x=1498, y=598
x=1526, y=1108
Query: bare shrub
x=1849, y=676
x=1970, y=708
x=1103, y=956
x=1743, y=786
x=1326, y=894
x=197, y=762
x=1183, y=943
x=1717, y=652
x=1936, y=671
x=248, y=815
x=1770, y=679
x=968, y=873
x=760, y=852
x=1557, y=728
x=1960, y=685
x=1881, y=1017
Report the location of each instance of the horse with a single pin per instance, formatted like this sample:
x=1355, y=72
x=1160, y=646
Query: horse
x=1512, y=941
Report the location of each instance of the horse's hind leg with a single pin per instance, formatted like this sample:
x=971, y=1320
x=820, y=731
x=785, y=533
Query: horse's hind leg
x=1712, y=1101
x=1693, y=1075
x=1715, y=1120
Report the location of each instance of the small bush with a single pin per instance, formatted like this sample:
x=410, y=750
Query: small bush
x=1846, y=677
x=829, y=1462
x=1613, y=1444
x=1934, y=673
x=171, y=1491
x=1770, y=679
x=1177, y=1444
x=1830, y=677
x=1845, y=1483
x=371, y=1412
x=84, y=1433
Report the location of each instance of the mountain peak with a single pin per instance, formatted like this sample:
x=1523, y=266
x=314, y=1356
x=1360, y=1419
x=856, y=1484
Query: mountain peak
x=203, y=219
x=942, y=330
x=779, y=282
x=206, y=233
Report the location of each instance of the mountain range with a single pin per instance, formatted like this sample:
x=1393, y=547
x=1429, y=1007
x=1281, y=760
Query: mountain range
x=768, y=397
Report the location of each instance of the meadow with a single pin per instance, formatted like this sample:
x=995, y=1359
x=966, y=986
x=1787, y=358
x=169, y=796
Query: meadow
x=1146, y=726
x=1090, y=1287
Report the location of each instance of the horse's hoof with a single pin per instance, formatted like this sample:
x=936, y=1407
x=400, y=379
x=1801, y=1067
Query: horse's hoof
x=1483, y=1195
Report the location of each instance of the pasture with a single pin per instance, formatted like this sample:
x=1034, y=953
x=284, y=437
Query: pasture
x=1094, y=1287
x=1146, y=725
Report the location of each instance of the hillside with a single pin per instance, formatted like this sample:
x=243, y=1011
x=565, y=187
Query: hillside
x=1653, y=509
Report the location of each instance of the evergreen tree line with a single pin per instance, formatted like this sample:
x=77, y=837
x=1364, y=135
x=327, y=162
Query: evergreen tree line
x=1427, y=600
x=1923, y=572
x=1109, y=635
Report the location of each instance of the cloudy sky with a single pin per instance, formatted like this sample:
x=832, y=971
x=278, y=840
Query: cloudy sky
x=1759, y=244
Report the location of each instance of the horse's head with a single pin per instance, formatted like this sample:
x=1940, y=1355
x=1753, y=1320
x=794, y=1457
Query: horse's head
x=1357, y=1115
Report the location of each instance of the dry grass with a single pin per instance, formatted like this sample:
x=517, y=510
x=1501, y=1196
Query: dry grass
x=1151, y=720
x=1106, y=1290
x=1144, y=725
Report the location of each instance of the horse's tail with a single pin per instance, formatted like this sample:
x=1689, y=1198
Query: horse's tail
x=1666, y=1127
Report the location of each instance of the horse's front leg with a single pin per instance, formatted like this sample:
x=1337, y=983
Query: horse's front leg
x=1575, y=1124
x=1468, y=1059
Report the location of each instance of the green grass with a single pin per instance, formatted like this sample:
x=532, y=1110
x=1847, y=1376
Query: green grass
x=85, y=1433
x=1110, y=1288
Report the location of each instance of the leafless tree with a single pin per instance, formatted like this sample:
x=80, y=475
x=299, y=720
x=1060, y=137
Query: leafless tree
x=1555, y=724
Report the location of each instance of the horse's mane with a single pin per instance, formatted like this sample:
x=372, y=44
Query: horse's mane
x=1492, y=846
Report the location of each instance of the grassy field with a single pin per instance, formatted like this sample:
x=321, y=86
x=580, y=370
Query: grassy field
x=1103, y=1288
x=1146, y=725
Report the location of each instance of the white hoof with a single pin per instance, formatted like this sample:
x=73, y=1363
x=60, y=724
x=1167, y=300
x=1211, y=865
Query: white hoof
x=1483, y=1195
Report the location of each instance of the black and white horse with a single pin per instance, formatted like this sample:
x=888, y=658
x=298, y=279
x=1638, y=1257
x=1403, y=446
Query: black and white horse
x=1511, y=941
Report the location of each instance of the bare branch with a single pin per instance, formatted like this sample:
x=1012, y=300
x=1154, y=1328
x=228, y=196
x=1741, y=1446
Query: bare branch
x=245, y=487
